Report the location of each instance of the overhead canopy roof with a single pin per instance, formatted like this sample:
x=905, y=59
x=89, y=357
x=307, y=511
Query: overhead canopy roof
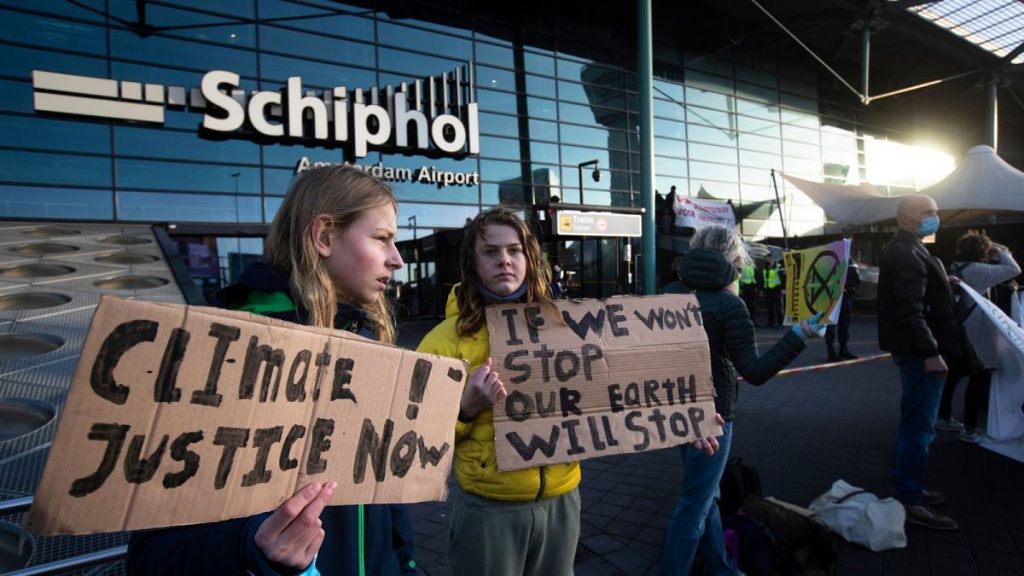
x=983, y=184
x=993, y=25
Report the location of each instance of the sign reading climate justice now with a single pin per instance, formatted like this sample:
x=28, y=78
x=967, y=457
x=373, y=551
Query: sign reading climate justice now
x=180, y=415
x=599, y=377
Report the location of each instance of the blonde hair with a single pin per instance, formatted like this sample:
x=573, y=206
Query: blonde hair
x=723, y=240
x=538, y=272
x=342, y=193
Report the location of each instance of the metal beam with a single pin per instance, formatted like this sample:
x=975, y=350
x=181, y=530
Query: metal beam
x=645, y=93
x=903, y=5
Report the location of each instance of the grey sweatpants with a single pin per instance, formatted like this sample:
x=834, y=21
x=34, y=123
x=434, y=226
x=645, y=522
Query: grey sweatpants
x=513, y=538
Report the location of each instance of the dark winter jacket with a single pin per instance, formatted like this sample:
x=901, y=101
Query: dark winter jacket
x=229, y=547
x=730, y=330
x=915, y=303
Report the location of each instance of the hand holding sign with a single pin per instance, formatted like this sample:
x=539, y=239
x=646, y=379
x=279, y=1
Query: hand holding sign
x=292, y=535
x=483, y=390
x=709, y=444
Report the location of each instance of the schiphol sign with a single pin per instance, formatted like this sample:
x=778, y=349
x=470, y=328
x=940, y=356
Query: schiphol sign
x=437, y=115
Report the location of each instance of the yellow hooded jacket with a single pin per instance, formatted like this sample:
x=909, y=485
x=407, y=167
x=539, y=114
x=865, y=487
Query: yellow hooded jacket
x=476, y=466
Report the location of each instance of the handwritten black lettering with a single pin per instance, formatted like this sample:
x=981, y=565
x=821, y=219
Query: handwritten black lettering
x=295, y=390
x=527, y=453
x=181, y=453
x=403, y=454
x=574, y=442
x=588, y=323
x=263, y=439
x=373, y=448
x=342, y=378
x=225, y=335
x=257, y=355
x=120, y=340
x=523, y=369
x=164, y=389
x=634, y=428
x=138, y=469
x=286, y=462
x=510, y=319
x=231, y=439
x=319, y=442
x=113, y=435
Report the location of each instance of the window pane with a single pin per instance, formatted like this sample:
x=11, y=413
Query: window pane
x=55, y=134
x=16, y=97
x=65, y=8
x=416, y=65
x=432, y=42
x=586, y=136
x=544, y=152
x=539, y=64
x=665, y=147
x=723, y=135
x=168, y=207
x=499, y=124
x=276, y=182
x=329, y=20
x=20, y=62
x=541, y=108
x=150, y=174
x=494, y=101
x=288, y=155
x=314, y=74
x=669, y=129
x=52, y=33
x=55, y=203
x=708, y=171
x=540, y=86
x=195, y=25
x=156, y=49
x=59, y=169
x=487, y=77
x=497, y=55
x=316, y=46
x=670, y=166
x=543, y=130
x=712, y=153
x=503, y=148
x=159, y=143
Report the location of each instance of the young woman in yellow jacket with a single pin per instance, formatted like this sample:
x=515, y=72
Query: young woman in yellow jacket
x=503, y=523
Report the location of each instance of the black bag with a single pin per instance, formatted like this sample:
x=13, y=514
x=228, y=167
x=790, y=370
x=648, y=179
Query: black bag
x=805, y=545
x=738, y=481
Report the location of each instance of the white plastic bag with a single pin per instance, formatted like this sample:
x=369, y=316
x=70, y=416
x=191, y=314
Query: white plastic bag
x=861, y=518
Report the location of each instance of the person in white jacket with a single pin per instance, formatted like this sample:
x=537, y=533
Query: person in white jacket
x=981, y=264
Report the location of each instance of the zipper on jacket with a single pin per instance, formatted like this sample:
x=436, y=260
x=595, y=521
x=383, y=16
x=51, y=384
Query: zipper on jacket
x=540, y=490
x=362, y=543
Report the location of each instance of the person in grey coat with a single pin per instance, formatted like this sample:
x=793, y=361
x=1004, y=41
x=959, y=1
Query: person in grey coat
x=981, y=264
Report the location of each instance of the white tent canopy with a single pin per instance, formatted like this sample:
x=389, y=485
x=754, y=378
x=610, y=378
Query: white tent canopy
x=981, y=185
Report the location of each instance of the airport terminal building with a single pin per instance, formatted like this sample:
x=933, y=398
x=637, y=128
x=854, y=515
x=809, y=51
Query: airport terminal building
x=161, y=135
x=198, y=114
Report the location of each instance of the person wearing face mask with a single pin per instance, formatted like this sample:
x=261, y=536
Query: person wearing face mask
x=917, y=324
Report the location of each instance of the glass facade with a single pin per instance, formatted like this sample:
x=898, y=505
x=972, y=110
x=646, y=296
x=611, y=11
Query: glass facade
x=547, y=103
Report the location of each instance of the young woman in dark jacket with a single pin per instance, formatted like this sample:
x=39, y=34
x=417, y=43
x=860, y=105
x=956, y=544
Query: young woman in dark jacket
x=711, y=270
x=330, y=252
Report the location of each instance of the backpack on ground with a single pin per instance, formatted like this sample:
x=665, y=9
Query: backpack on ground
x=738, y=481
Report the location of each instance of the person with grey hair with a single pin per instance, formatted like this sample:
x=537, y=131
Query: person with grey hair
x=710, y=269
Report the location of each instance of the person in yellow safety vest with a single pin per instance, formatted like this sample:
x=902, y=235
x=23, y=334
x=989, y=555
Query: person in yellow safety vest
x=771, y=282
x=748, y=289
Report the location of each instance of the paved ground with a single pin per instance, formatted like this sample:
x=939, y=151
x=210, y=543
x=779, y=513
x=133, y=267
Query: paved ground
x=802, y=432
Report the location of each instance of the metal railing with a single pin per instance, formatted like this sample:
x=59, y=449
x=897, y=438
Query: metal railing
x=16, y=505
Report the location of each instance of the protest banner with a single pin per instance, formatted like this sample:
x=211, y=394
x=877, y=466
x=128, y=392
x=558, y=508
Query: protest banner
x=815, y=278
x=700, y=212
x=182, y=414
x=593, y=378
x=993, y=329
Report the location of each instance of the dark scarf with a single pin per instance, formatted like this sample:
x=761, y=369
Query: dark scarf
x=492, y=298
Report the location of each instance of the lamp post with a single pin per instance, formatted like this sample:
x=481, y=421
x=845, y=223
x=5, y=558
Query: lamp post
x=596, y=175
x=414, y=301
x=235, y=175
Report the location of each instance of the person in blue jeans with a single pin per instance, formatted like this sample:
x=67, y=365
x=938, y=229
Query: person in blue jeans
x=710, y=269
x=917, y=323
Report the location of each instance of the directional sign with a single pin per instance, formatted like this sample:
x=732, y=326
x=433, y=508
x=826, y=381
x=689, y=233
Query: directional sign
x=577, y=223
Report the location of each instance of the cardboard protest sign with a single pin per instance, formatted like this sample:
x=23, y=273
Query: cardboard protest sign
x=814, y=281
x=599, y=377
x=180, y=415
